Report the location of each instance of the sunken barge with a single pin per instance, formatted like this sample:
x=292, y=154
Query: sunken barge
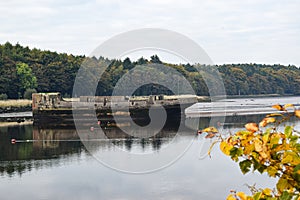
x=52, y=108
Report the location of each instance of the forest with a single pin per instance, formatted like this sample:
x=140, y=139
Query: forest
x=24, y=69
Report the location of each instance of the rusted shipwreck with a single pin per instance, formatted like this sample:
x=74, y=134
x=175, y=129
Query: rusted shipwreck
x=51, y=107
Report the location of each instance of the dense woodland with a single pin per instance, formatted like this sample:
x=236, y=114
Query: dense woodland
x=22, y=68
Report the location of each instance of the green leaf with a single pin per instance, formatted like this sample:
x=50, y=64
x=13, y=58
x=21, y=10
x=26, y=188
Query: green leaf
x=274, y=141
x=271, y=198
x=293, y=139
x=259, y=167
x=290, y=158
x=285, y=196
x=245, y=166
x=297, y=147
x=282, y=184
x=235, y=153
x=296, y=173
x=288, y=131
x=257, y=196
x=272, y=171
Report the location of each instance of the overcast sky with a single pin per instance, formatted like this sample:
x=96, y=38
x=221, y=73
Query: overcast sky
x=230, y=31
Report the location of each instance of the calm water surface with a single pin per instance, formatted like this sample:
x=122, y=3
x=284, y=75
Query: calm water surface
x=52, y=163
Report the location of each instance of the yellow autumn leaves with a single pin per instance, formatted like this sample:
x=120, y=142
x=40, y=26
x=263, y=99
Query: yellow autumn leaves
x=266, y=121
x=284, y=108
x=239, y=195
x=253, y=127
x=290, y=158
x=297, y=113
x=226, y=147
x=211, y=132
x=266, y=193
x=266, y=150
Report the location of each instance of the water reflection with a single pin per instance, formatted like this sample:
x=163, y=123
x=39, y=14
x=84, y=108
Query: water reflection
x=40, y=147
x=35, y=148
x=53, y=164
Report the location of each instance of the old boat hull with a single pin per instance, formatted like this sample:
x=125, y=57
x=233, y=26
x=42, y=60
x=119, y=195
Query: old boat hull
x=51, y=108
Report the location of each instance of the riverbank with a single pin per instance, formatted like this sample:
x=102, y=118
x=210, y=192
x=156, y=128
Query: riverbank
x=16, y=117
x=15, y=105
x=257, y=96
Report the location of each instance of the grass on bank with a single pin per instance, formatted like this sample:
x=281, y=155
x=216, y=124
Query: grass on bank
x=15, y=103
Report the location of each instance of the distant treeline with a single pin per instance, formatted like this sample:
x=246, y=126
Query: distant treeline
x=57, y=71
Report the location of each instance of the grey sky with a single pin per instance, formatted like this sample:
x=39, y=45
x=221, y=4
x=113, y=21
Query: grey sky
x=231, y=31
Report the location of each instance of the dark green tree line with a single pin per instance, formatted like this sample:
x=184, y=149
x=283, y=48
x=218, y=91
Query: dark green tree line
x=55, y=72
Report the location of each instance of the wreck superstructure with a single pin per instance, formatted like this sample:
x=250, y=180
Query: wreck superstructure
x=51, y=107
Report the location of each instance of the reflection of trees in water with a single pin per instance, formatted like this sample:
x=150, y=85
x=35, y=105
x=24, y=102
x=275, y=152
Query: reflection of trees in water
x=26, y=154
x=128, y=143
x=52, y=147
x=156, y=143
x=36, y=158
x=49, y=147
x=40, y=147
x=143, y=143
x=19, y=167
x=55, y=146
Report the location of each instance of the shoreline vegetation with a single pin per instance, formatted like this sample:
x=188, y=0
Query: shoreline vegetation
x=15, y=105
x=23, y=69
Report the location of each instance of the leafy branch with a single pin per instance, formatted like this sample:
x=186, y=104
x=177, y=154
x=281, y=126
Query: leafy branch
x=266, y=150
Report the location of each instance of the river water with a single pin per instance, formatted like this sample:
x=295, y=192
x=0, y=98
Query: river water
x=53, y=163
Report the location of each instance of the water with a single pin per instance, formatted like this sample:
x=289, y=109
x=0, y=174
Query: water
x=243, y=106
x=52, y=163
